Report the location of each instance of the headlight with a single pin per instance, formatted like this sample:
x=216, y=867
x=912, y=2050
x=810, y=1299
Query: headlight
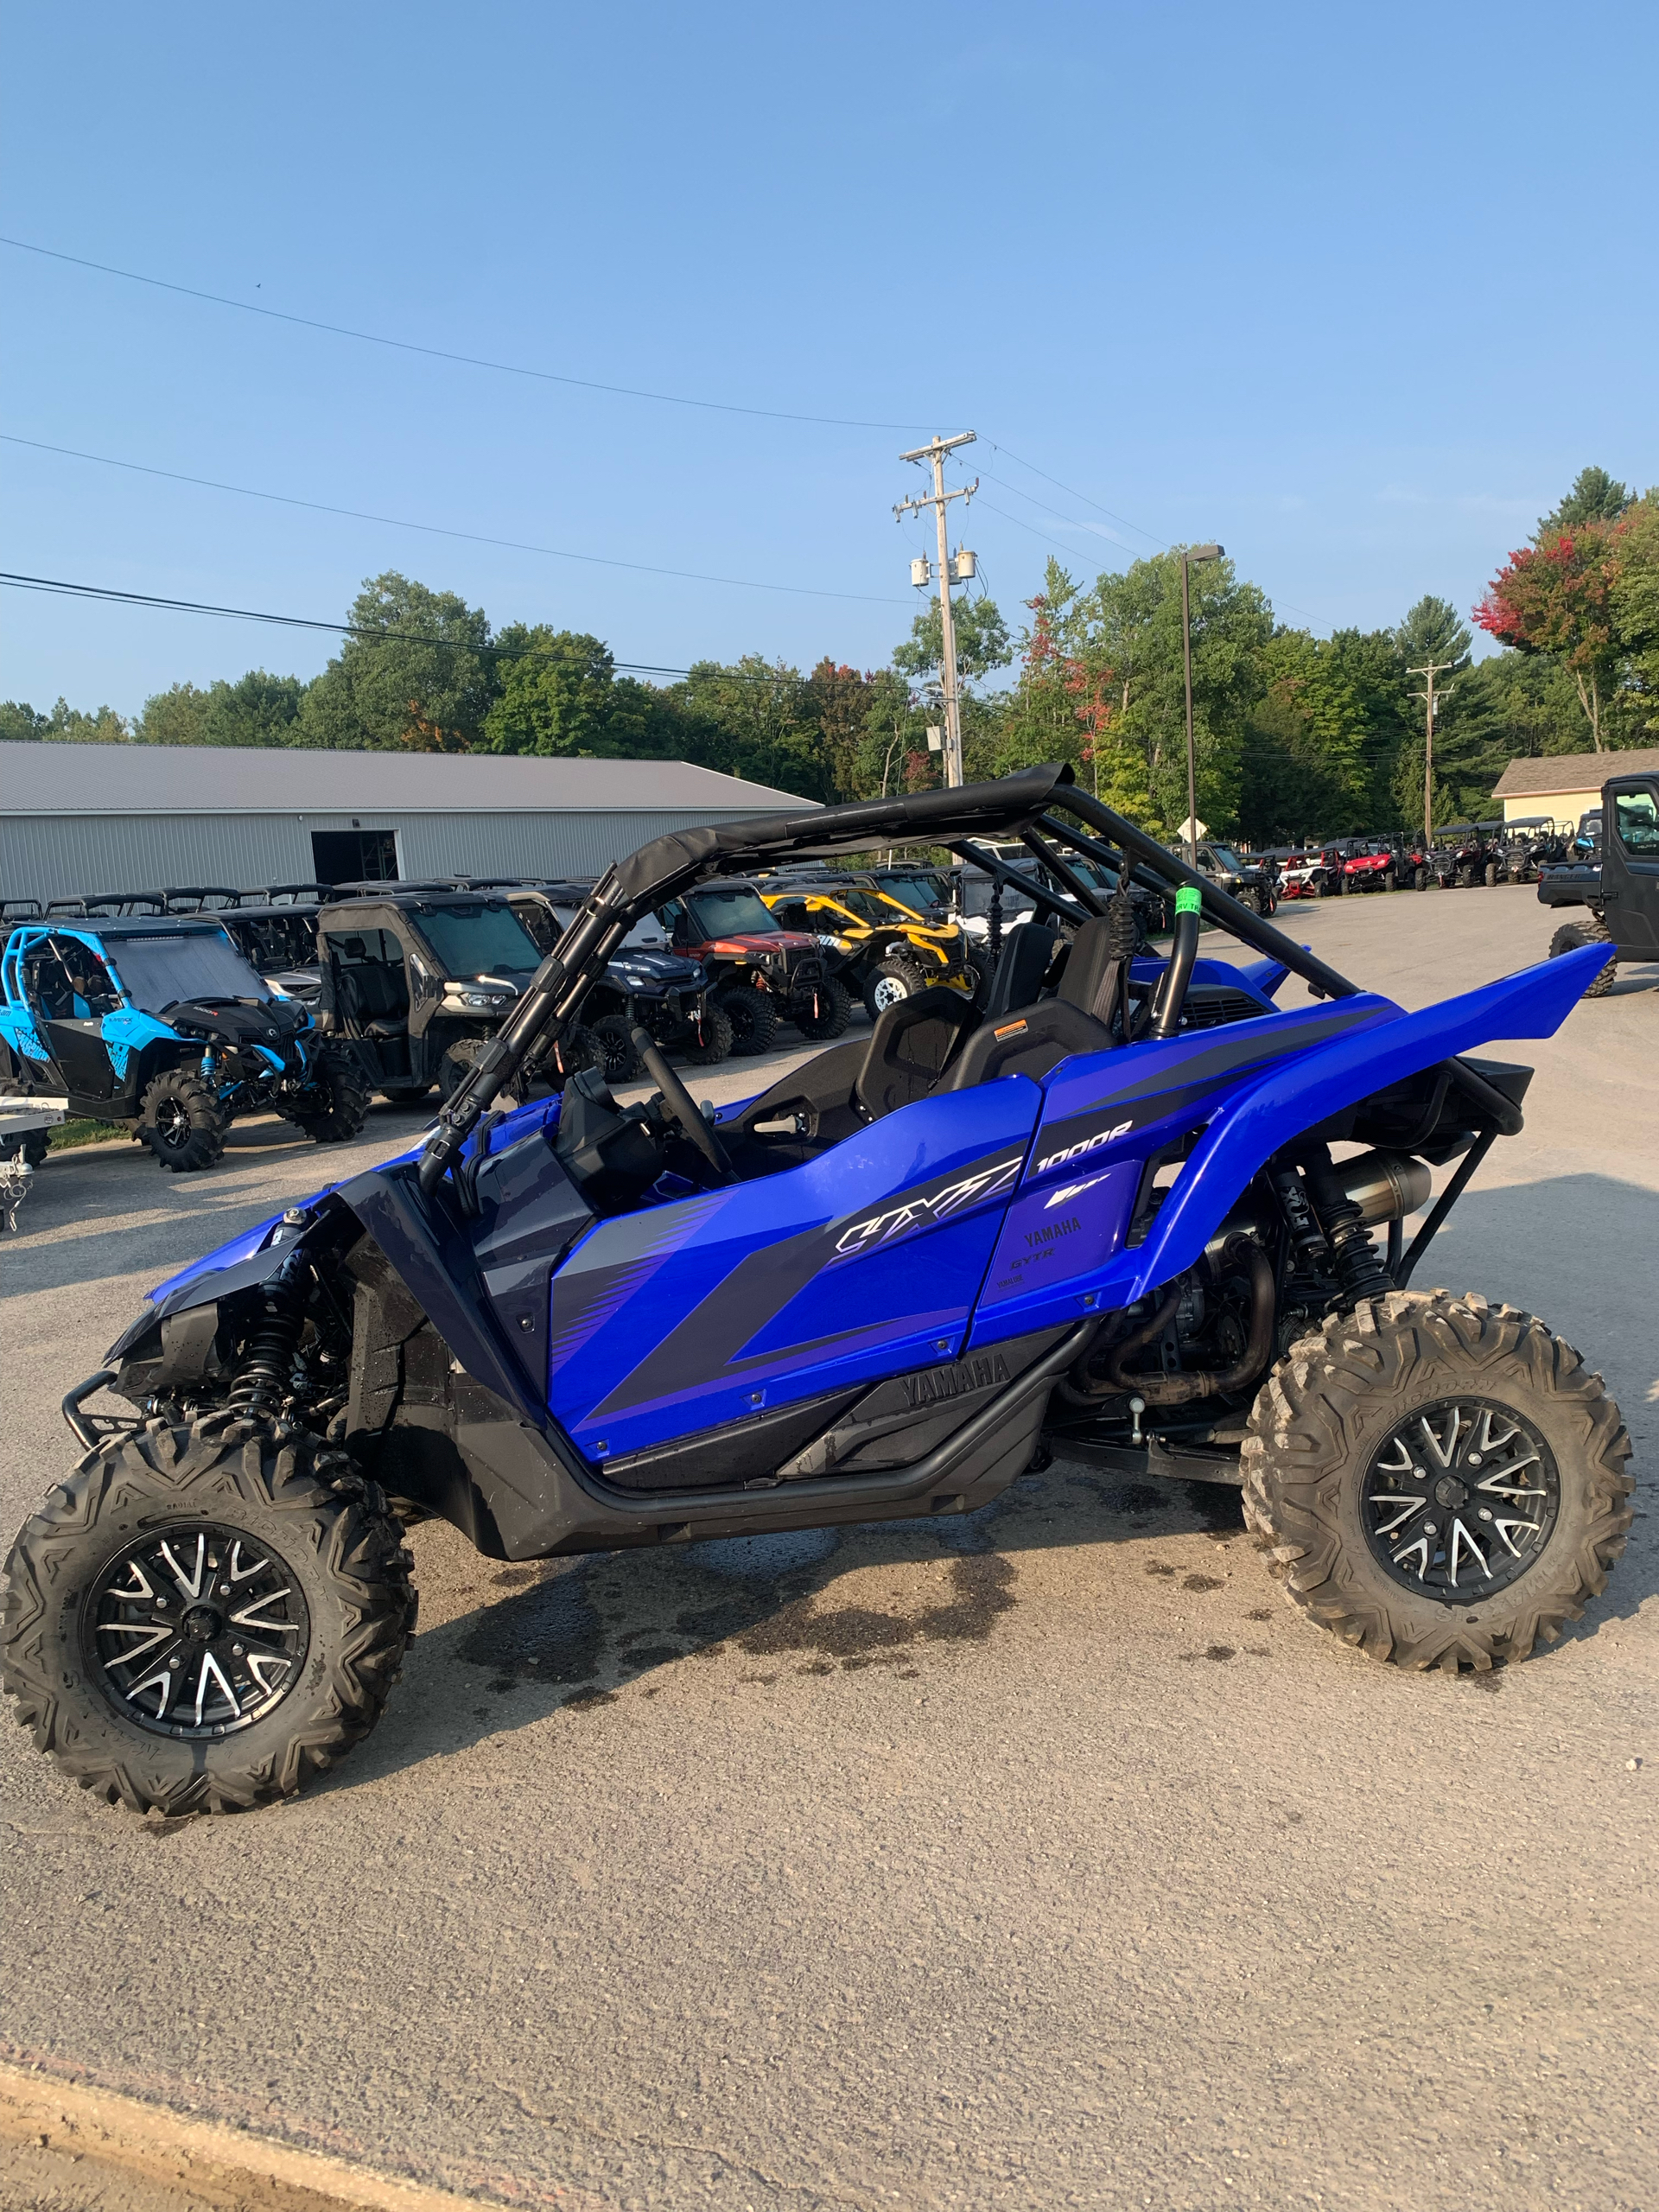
x=483, y=998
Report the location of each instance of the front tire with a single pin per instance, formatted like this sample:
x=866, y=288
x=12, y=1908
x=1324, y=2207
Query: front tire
x=335, y=1109
x=888, y=982
x=1571, y=936
x=617, y=1062
x=178, y=1119
x=1439, y=1481
x=260, y=1588
x=753, y=1017
x=716, y=1041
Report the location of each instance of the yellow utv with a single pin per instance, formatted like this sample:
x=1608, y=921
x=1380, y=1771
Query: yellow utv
x=888, y=951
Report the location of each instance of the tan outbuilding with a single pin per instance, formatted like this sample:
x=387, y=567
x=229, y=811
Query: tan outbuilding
x=1566, y=785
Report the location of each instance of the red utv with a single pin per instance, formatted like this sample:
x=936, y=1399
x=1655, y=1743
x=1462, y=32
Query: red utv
x=760, y=973
x=1373, y=864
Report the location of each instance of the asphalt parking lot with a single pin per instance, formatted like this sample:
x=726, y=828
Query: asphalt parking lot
x=1045, y=1858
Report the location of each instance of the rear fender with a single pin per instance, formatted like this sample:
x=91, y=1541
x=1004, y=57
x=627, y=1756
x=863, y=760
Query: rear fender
x=1245, y=1119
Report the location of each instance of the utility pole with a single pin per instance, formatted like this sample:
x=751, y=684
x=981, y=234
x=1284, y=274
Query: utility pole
x=1428, y=674
x=1189, y=554
x=935, y=451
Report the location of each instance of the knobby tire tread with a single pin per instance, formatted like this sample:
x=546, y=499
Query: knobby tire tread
x=1337, y=1391
x=216, y=1466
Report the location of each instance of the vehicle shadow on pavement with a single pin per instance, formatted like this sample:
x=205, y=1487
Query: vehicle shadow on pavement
x=580, y=1634
x=576, y=1633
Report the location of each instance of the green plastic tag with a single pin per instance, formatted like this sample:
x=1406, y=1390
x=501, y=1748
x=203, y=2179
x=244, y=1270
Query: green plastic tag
x=1187, y=901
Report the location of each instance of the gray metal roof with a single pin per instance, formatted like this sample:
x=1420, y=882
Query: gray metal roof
x=56, y=780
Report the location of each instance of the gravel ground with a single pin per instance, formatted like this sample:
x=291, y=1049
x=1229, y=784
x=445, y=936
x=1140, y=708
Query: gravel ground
x=1042, y=1858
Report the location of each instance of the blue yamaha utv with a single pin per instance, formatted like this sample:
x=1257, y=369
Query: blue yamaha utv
x=1127, y=1206
x=160, y=1022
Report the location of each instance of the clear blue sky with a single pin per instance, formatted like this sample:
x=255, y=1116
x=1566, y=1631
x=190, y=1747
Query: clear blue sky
x=1355, y=291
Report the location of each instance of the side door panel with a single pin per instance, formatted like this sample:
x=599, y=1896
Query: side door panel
x=1630, y=847
x=863, y=1263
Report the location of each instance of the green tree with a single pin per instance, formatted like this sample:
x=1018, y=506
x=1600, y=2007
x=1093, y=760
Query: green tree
x=1557, y=597
x=982, y=643
x=752, y=719
x=21, y=724
x=258, y=710
x=1102, y=684
x=559, y=697
x=417, y=675
x=1595, y=497
x=69, y=726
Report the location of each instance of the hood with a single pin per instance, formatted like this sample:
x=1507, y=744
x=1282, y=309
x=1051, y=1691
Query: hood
x=240, y=1021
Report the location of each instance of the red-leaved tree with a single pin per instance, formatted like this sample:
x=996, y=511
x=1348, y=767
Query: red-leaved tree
x=1557, y=597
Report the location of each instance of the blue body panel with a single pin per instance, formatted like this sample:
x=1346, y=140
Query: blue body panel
x=862, y=1263
x=1161, y=1092
x=963, y=1220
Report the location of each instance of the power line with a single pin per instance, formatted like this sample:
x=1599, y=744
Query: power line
x=55, y=588
x=439, y=353
x=438, y=529
x=1094, y=529
x=1160, y=542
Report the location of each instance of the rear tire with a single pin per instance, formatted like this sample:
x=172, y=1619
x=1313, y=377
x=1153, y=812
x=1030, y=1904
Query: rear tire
x=1419, y=881
x=1571, y=936
x=834, y=1011
x=314, y=1680
x=338, y=1102
x=753, y=1017
x=716, y=1045
x=1409, y=1378
x=179, y=1121
x=1490, y=875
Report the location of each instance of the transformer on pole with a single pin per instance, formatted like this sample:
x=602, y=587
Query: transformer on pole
x=949, y=572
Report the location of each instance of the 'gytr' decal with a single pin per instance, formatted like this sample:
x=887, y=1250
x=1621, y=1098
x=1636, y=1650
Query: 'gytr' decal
x=922, y=1212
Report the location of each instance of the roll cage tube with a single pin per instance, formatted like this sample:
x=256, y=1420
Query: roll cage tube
x=1015, y=804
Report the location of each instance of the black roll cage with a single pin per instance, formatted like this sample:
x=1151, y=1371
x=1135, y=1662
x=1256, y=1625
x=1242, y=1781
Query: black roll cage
x=1022, y=805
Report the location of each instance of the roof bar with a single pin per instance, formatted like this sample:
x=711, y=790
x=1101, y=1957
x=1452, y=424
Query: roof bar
x=1228, y=913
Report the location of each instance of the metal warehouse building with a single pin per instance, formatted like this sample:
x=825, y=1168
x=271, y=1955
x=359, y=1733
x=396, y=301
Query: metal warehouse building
x=77, y=819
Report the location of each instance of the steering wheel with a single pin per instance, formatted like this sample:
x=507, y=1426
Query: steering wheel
x=681, y=1105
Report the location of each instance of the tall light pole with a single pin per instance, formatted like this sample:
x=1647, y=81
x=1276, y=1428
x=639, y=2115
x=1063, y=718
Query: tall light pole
x=1189, y=554
x=935, y=452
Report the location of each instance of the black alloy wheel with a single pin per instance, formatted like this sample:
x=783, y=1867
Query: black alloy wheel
x=196, y=1631
x=1459, y=1499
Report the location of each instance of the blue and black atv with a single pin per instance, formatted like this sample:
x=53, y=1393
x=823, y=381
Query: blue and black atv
x=1125, y=1210
x=160, y=1022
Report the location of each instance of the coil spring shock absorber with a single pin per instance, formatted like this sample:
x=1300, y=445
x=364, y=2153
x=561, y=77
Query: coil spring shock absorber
x=1360, y=1272
x=262, y=1379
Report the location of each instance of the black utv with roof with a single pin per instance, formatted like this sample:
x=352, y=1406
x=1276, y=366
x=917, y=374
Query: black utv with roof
x=646, y=985
x=1618, y=886
x=419, y=979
